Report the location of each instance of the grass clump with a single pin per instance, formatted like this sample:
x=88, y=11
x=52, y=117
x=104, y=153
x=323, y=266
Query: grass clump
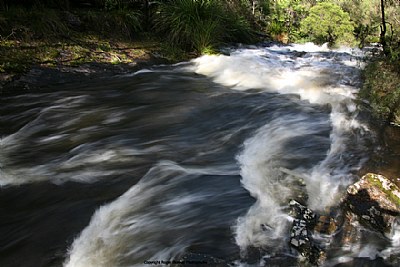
x=200, y=25
x=115, y=23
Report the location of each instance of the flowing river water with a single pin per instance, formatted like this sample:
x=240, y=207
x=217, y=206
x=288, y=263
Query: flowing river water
x=190, y=158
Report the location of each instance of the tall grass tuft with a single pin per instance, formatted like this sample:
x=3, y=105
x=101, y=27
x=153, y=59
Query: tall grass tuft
x=33, y=23
x=200, y=25
x=114, y=23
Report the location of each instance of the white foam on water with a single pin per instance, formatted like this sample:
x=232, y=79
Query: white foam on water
x=144, y=224
x=319, y=80
x=83, y=163
x=332, y=173
x=121, y=228
x=260, y=161
x=392, y=252
x=314, y=79
x=8, y=145
x=309, y=47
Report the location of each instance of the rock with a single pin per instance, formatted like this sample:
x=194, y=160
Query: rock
x=301, y=239
x=303, y=213
x=375, y=200
x=326, y=225
x=300, y=234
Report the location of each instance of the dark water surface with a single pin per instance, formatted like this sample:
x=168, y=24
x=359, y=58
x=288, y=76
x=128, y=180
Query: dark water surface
x=190, y=158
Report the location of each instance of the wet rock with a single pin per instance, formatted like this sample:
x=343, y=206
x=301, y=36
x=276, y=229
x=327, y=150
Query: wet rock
x=350, y=234
x=300, y=234
x=326, y=225
x=302, y=212
x=375, y=200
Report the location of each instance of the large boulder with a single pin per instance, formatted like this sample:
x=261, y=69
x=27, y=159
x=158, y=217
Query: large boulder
x=375, y=200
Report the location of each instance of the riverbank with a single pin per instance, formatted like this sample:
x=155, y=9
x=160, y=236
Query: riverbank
x=79, y=40
x=380, y=94
x=381, y=88
x=68, y=34
x=28, y=65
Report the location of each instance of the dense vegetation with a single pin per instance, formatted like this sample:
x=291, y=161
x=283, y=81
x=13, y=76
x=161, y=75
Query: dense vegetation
x=202, y=25
x=51, y=32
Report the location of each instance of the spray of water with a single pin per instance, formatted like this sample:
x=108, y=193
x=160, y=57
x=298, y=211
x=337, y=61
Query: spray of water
x=319, y=76
x=123, y=232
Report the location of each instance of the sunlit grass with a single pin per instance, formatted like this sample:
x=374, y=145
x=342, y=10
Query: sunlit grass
x=19, y=56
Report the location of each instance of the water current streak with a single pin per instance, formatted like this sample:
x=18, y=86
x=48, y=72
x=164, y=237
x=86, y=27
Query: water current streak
x=200, y=158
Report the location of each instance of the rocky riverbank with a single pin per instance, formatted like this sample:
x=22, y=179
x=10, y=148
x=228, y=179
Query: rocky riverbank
x=39, y=77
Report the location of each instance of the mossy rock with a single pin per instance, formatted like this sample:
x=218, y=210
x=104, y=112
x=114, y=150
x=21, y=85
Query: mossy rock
x=376, y=201
x=391, y=190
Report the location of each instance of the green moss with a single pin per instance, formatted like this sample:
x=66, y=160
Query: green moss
x=389, y=192
x=14, y=58
x=105, y=47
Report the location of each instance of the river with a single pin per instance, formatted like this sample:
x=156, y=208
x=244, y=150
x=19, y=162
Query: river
x=189, y=159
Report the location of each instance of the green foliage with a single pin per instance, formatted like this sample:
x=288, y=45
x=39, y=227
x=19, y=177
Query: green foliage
x=393, y=27
x=327, y=22
x=366, y=16
x=381, y=89
x=191, y=24
x=285, y=17
x=111, y=4
x=236, y=28
x=200, y=25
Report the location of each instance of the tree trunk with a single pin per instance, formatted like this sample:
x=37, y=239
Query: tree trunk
x=147, y=15
x=383, y=28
